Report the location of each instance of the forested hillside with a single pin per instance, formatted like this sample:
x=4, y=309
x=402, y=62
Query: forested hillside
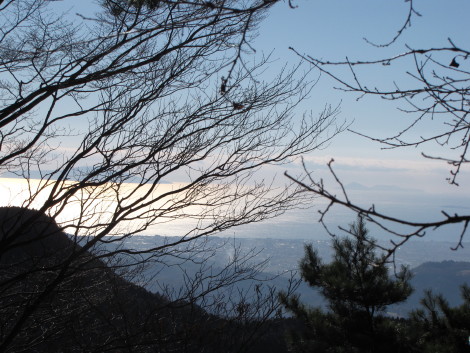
x=92, y=308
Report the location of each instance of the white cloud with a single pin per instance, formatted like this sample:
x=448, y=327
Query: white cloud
x=419, y=165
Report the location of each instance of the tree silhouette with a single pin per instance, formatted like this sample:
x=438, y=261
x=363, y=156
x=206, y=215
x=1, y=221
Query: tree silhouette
x=99, y=112
x=437, y=327
x=357, y=288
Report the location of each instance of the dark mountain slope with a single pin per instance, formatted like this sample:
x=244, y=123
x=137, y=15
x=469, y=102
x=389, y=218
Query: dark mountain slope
x=56, y=297
x=444, y=278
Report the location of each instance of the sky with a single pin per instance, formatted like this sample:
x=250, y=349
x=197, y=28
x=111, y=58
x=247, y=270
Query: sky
x=399, y=181
x=335, y=29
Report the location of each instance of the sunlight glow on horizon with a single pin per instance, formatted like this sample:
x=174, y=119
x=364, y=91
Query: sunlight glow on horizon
x=97, y=205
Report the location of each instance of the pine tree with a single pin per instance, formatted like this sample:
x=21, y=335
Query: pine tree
x=441, y=328
x=358, y=288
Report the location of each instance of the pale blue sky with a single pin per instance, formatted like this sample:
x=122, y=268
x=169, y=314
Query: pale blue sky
x=335, y=29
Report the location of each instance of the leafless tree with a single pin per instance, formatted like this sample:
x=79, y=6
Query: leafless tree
x=98, y=111
x=436, y=89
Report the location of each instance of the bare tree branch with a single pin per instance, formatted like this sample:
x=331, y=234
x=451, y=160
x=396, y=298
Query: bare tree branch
x=97, y=114
x=436, y=90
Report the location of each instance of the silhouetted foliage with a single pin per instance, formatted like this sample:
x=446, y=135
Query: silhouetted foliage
x=357, y=287
x=438, y=327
